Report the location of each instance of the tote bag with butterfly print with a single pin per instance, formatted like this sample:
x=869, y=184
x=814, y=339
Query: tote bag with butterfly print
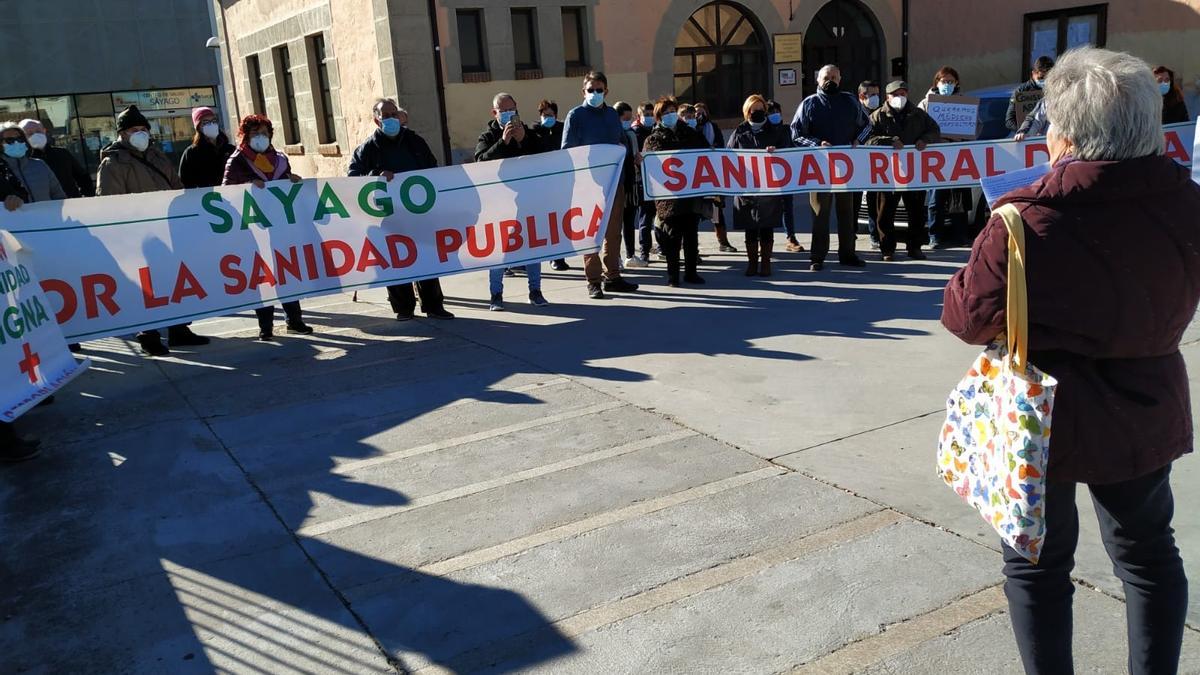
x=994, y=443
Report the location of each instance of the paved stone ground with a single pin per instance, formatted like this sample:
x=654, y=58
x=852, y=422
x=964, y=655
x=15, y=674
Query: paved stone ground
x=735, y=478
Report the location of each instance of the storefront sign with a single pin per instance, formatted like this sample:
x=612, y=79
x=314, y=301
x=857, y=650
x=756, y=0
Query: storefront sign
x=164, y=99
x=789, y=47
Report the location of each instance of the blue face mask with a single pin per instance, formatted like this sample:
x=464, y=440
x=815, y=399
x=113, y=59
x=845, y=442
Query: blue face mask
x=16, y=150
x=945, y=89
x=548, y=121
x=775, y=118
x=1164, y=87
x=692, y=122
x=506, y=116
x=626, y=124
x=391, y=126
x=670, y=119
x=648, y=120
x=1039, y=83
x=594, y=99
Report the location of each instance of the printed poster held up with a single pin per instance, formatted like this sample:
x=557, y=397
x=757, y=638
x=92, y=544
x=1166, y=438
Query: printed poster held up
x=957, y=116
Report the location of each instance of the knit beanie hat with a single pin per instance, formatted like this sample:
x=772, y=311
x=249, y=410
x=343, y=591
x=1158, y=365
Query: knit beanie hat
x=199, y=114
x=131, y=117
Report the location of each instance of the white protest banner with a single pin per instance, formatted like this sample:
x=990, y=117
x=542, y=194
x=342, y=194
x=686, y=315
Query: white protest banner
x=957, y=116
x=695, y=173
x=1195, y=149
x=127, y=263
x=34, y=359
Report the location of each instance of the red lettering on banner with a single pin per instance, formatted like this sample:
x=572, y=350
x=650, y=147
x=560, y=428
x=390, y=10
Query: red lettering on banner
x=261, y=274
x=910, y=163
x=1031, y=151
x=531, y=232
x=310, y=260
x=98, y=289
x=733, y=167
x=754, y=171
x=554, y=234
x=810, y=171
x=879, y=167
x=846, y=173
x=187, y=285
x=932, y=163
x=676, y=181
x=327, y=250
x=705, y=174
x=231, y=269
x=989, y=155
x=510, y=233
x=410, y=247
x=964, y=166
x=448, y=241
x=1176, y=149
x=568, y=218
x=69, y=302
x=489, y=241
x=148, y=298
x=596, y=222
x=289, y=264
x=769, y=163
x=370, y=257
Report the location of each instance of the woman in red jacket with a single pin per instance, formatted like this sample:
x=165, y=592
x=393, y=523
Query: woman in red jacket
x=256, y=161
x=1113, y=267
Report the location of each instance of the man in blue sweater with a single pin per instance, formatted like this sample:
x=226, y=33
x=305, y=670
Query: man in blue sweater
x=595, y=123
x=827, y=118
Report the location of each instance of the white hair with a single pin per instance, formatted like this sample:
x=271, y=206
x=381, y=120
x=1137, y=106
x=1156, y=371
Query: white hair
x=1106, y=104
x=500, y=97
x=823, y=74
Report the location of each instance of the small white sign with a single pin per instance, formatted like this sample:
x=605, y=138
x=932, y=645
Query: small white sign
x=787, y=77
x=957, y=116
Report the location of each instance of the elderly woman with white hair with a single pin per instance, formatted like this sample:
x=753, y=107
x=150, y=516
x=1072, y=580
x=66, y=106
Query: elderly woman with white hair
x=1113, y=268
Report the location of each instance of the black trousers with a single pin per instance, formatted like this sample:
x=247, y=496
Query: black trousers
x=1135, y=524
x=680, y=233
x=824, y=205
x=914, y=204
x=630, y=228
x=266, y=315
x=403, y=298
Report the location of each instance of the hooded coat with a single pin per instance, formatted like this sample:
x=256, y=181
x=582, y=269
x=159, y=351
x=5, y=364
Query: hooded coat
x=125, y=171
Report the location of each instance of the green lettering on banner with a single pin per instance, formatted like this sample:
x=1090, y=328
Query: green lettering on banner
x=13, y=326
x=385, y=206
x=252, y=213
x=405, y=196
x=329, y=204
x=288, y=200
x=226, y=222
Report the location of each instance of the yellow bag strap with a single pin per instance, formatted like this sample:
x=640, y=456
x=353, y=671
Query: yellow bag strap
x=1018, y=293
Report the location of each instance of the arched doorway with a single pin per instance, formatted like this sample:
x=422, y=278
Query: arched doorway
x=721, y=58
x=846, y=33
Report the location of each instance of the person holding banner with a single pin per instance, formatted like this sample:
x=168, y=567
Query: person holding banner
x=758, y=216
x=132, y=165
x=1037, y=79
x=203, y=162
x=827, y=118
x=549, y=132
x=1113, y=282
x=775, y=116
x=36, y=176
x=256, y=161
x=643, y=126
x=592, y=123
x=868, y=98
x=393, y=149
x=678, y=219
x=953, y=204
x=900, y=123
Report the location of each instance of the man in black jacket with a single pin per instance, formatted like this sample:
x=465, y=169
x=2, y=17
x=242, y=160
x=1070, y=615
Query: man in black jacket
x=75, y=180
x=1041, y=68
x=506, y=135
x=549, y=132
x=394, y=149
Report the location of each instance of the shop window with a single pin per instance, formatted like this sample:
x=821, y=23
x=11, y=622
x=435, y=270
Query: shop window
x=286, y=86
x=1052, y=33
x=318, y=69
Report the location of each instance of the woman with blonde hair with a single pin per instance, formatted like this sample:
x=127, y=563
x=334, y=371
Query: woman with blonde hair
x=758, y=216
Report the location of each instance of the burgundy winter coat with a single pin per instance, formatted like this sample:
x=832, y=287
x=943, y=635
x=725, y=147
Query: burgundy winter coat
x=1113, y=268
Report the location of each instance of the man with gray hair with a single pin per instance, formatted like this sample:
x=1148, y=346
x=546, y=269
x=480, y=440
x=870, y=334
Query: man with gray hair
x=393, y=149
x=506, y=135
x=827, y=118
x=74, y=179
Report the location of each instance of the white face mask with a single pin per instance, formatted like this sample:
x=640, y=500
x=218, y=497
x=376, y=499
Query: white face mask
x=898, y=102
x=140, y=140
x=260, y=143
x=210, y=130
x=37, y=141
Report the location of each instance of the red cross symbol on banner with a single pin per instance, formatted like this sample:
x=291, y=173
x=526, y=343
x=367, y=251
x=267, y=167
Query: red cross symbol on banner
x=29, y=363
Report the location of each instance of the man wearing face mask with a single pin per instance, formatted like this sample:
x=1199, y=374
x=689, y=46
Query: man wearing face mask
x=506, y=135
x=828, y=118
x=393, y=149
x=595, y=123
x=897, y=124
x=1041, y=68
x=131, y=165
x=868, y=98
x=775, y=117
x=74, y=179
x=34, y=175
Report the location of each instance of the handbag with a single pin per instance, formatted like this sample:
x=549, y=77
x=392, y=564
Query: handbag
x=993, y=446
